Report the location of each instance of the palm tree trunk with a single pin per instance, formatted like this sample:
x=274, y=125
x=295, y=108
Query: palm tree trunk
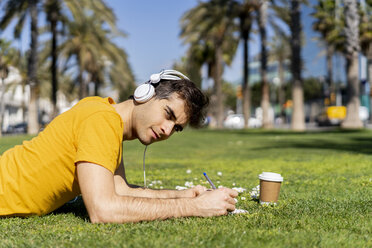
x=33, y=122
x=96, y=87
x=352, y=119
x=53, y=26
x=281, y=93
x=265, y=100
x=245, y=87
x=329, y=57
x=298, y=118
x=218, y=86
x=83, y=87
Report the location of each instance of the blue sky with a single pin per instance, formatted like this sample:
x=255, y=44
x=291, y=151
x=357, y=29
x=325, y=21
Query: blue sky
x=153, y=41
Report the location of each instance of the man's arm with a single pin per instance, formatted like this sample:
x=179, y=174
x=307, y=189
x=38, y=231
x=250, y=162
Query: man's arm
x=122, y=187
x=104, y=205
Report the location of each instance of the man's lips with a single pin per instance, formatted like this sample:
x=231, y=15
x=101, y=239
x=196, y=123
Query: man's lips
x=156, y=136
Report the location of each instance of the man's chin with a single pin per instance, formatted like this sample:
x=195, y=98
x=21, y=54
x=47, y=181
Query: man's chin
x=146, y=142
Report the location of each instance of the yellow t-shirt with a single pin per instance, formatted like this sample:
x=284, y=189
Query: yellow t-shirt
x=39, y=176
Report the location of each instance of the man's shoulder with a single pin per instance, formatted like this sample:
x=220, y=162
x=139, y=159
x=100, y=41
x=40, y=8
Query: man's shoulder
x=96, y=103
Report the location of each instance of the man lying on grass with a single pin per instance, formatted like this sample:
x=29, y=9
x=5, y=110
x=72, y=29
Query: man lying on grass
x=80, y=152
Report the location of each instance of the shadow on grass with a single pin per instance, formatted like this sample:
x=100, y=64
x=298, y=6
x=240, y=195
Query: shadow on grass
x=262, y=132
x=352, y=144
x=75, y=207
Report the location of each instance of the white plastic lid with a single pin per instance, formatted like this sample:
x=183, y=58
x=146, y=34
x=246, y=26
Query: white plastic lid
x=270, y=176
x=144, y=92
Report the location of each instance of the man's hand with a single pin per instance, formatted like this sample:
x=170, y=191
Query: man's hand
x=194, y=191
x=215, y=202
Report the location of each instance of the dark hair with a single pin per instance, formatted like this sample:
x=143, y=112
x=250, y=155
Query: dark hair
x=195, y=101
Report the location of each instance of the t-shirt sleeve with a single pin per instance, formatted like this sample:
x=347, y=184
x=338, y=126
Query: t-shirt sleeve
x=99, y=140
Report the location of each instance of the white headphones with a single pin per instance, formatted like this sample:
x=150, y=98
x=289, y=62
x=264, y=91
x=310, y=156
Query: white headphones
x=146, y=91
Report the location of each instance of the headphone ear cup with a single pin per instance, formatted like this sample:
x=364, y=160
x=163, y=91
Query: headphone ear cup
x=143, y=93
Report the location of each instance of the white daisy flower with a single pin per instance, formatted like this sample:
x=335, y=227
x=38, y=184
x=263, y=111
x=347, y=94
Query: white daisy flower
x=239, y=189
x=188, y=171
x=189, y=184
x=180, y=188
x=255, y=193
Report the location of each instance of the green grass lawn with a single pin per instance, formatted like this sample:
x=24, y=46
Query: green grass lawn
x=325, y=199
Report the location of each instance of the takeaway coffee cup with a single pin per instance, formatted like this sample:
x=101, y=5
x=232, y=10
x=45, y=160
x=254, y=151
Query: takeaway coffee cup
x=269, y=187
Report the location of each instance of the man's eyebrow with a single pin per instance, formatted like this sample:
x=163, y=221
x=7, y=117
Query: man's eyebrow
x=171, y=112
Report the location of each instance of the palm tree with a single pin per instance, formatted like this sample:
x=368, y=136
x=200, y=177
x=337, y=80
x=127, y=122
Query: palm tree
x=96, y=56
x=210, y=24
x=56, y=12
x=352, y=119
x=290, y=13
x=298, y=118
x=280, y=53
x=265, y=99
x=191, y=64
x=244, y=12
x=20, y=9
x=83, y=43
x=326, y=25
x=53, y=9
x=366, y=35
x=121, y=76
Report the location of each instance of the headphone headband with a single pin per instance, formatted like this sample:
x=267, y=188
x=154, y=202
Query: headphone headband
x=168, y=75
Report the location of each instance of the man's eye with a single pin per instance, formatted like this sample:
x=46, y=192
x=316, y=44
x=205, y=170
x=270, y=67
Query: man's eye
x=178, y=128
x=168, y=114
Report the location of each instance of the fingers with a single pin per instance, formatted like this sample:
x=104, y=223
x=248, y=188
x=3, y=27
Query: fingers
x=198, y=189
x=230, y=207
x=231, y=192
x=231, y=201
x=201, y=188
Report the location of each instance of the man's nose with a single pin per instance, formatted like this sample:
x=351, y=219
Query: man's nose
x=167, y=128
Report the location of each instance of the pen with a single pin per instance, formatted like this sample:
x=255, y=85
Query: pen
x=209, y=180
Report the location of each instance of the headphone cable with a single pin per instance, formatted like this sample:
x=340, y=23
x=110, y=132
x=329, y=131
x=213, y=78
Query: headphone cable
x=144, y=169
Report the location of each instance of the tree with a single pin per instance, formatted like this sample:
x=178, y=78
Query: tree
x=366, y=35
x=265, y=100
x=326, y=25
x=244, y=12
x=280, y=52
x=20, y=10
x=59, y=11
x=53, y=10
x=352, y=119
x=289, y=11
x=298, y=117
x=97, y=58
x=210, y=24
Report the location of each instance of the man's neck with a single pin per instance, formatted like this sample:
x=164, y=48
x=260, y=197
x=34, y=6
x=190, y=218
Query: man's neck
x=125, y=110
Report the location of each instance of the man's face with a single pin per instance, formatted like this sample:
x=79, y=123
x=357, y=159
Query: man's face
x=156, y=119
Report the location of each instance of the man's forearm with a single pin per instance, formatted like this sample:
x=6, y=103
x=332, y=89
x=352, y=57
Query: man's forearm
x=163, y=193
x=122, y=188
x=133, y=209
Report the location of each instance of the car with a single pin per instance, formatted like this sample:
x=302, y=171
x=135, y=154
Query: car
x=17, y=128
x=334, y=115
x=236, y=121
